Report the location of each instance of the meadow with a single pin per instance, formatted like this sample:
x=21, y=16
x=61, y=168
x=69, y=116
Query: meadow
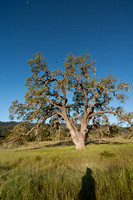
x=55, y=170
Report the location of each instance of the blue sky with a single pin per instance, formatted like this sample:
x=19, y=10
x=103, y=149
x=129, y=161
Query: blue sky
x=55, y=28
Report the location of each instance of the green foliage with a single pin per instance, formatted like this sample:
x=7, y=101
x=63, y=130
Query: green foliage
x=47, y=132
x=44, y=132
x=97, y=132
x=46, y=95
x=115, y=130
x=20, y=128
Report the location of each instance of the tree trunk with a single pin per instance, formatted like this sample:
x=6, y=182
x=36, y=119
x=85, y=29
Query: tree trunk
x=80, y=144
x=79, y=140
x=78, y=137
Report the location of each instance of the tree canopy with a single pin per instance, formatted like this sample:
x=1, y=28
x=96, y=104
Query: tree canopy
x=48, y=95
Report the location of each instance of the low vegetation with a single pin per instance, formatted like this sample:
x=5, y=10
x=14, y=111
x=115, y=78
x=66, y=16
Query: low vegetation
x=54, y=170
x=10, y=131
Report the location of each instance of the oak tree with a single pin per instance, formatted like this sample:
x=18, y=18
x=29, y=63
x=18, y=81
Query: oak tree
x=73, y=95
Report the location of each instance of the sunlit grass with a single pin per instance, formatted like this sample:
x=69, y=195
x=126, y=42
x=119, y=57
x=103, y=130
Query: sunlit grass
x=59, y=172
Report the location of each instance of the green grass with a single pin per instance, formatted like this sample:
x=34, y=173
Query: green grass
x=102, y=172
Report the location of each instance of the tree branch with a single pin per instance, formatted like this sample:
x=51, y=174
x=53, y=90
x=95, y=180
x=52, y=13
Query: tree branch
x=93, y=100
x=57, y=106
x=110, y=112
x=85, y=94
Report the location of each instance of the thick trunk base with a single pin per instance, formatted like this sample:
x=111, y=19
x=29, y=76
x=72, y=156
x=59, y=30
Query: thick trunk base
x=80, y=147
x=80, y=144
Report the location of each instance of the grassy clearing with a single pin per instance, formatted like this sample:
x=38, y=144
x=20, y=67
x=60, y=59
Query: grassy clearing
x=58, y=171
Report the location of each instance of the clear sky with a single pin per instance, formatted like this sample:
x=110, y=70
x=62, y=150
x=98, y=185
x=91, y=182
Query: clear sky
x=57, y=27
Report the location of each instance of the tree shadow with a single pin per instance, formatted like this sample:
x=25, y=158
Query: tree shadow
x=87, y=191
x=62, y=143
x=101, y=142
x=58, y=144
x=70, y=143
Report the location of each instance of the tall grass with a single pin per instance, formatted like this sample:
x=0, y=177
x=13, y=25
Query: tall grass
x=102, y=172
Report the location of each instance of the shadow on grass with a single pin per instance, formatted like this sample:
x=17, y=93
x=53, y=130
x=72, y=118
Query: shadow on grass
x=87, y=191
x=98, y=142
x=62, y=143
x=70, y=143
x=58, y=144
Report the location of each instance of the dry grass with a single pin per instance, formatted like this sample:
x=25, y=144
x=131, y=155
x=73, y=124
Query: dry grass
x=55, y=170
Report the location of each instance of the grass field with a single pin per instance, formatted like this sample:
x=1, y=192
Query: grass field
x=56, y=171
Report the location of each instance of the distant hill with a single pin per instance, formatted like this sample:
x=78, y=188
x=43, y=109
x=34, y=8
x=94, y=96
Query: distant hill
x=6, y=127
x=8, y=123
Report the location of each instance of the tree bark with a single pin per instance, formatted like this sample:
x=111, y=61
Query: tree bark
x=78, y=140
x=78, y=137
x=80, y=144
